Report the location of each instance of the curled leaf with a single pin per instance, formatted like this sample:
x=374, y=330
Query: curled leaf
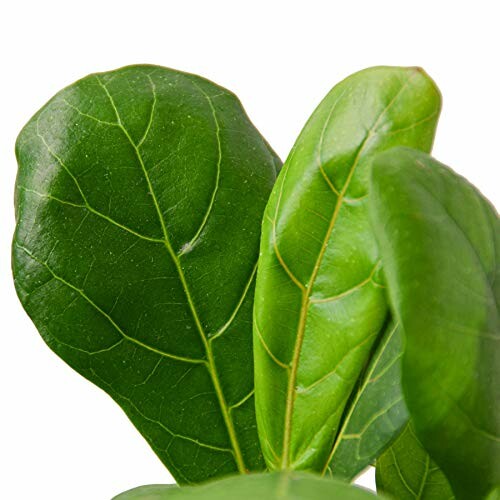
x=440, y=245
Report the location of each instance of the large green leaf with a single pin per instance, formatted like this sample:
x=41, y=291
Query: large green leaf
x=376, y=415
x=273, y=486
x=406, y=472
x=139, y=200
x=440, y=246
x=319, y=303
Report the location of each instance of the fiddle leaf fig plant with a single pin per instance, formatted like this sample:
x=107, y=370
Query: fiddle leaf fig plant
x=440, y=245
x=320, y=301
x=139, y=200
x=276, y=485
x=285, y=327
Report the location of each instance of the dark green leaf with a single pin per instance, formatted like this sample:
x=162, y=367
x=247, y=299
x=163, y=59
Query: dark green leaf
x=440, y=245
x=273, y=486
x=139, y=200
x=319, y=303
x=377, y=413
x=406, y=472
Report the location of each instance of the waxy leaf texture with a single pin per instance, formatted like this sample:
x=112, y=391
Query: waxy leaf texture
x=440, y=246
x=320, y=305
x=139, y=202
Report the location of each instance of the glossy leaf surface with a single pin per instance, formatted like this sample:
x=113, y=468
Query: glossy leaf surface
x=319, y=303
x=406, y=472
x=377, y=413
x=440, y=245
x=273, y=486
x=139, y=201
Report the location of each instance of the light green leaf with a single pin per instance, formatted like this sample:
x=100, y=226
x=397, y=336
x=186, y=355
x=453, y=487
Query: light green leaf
x=148, y=492
x=273, y=486
x=406, y=472
x=440, y=245
x=377, y=413
x=319, y=304
x=494, y=494
x=139, y=200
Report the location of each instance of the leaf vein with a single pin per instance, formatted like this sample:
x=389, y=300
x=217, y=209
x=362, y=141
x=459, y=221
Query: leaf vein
x=95, y=212
x=349, y=291
x=106, y=315
x=268, y=350
x=151, y=113
x=400, y=474
x=188, y=246
x=161, y=424
x=86, y=115
x=210, y=358
x=233, y=315
x=291, y=392
x=361, y=390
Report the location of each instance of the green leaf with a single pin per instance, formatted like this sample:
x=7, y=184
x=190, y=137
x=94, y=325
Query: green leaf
x=406, y=472
x=440, y=245
x=377, y=413
x=494, y=494
x=148, y=492
x=272, y=486
x=139, y=200
x=319, y=303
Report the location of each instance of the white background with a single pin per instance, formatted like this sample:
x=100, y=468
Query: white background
x=62, y=438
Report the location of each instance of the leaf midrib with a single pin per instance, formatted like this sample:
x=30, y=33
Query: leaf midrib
x=307, y=290
x=209, y=362
x=208, y=349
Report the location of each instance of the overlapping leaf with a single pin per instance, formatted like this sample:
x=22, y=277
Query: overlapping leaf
x=319, y=304
x=406, y=472
x=273, y=486
x=139, y=201
x=440, y=246
x=376, y=415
